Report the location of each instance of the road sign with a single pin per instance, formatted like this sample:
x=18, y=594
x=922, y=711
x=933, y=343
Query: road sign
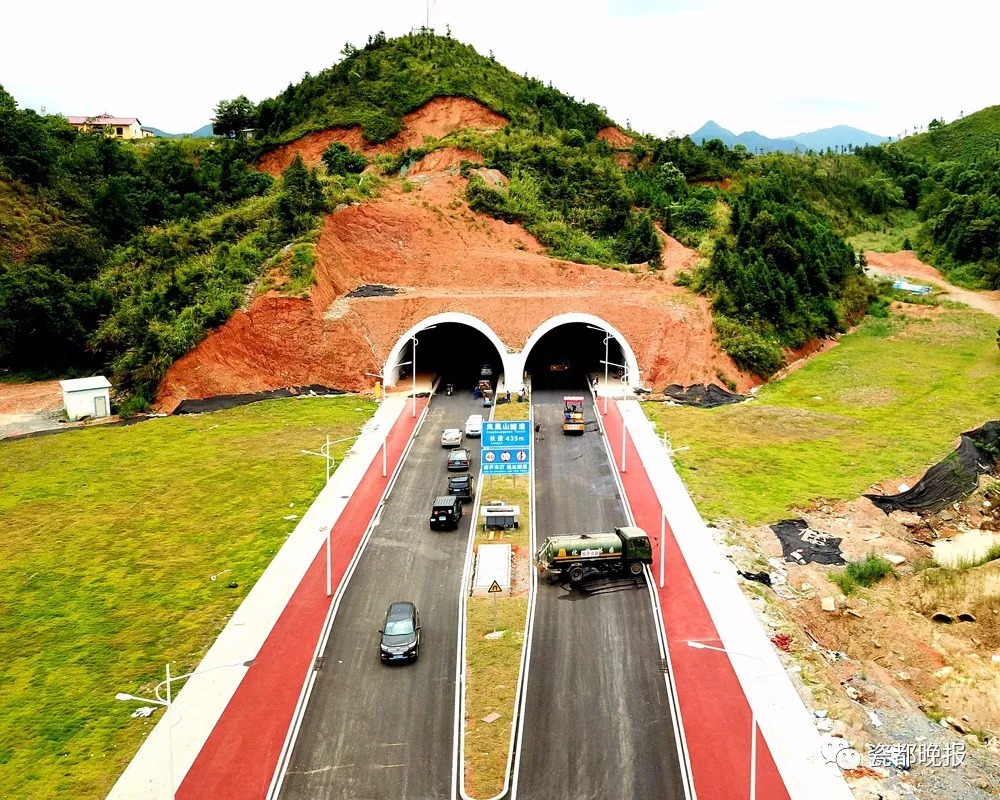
x=494, y=588
x=506, y=448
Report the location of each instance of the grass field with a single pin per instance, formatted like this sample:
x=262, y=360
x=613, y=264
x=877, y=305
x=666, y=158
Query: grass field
x=887, y=402
x=889, y=238
x=110, y=537
x=493, y=665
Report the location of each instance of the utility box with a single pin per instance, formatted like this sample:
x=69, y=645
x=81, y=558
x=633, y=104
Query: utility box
x=86, y=397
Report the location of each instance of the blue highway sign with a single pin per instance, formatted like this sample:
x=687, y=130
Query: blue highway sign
x=506, y=448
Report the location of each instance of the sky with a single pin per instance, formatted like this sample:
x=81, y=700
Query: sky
x=775, y=66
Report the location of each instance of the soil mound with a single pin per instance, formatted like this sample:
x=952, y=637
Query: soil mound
x=905, y=263
x=615, y=137
x=439, y=117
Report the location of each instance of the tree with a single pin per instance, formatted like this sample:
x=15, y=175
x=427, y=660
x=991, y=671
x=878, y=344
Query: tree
x=300, y=199
x=340, y=160
x=233, y=116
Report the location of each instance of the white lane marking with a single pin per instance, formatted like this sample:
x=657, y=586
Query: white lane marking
x=281, y=768
x=533, y=594
x=458, y=735
x=675, y=705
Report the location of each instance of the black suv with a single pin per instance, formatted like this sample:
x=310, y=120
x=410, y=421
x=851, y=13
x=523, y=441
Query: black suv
x=446, y=513
x=400, y=633
x=462, y=487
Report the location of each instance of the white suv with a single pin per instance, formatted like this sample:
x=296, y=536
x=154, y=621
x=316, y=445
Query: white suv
x=474, y=425
x=451, y=437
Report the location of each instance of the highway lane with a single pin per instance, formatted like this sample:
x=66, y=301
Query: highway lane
x=378, y=732
x=596, y=722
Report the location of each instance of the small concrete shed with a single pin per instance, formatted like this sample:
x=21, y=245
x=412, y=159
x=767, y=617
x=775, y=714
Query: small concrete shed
x=86, y=397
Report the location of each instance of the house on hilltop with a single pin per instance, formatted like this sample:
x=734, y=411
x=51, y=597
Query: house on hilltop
x=119, y=127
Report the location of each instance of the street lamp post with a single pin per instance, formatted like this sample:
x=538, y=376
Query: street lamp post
x=414, y=358
x=324, y=451
x=624, y=368
x=753, y=714
x=385, y=438
x=607, y=338
x=168, y=704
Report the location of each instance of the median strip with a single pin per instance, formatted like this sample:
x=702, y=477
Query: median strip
x=495, y=637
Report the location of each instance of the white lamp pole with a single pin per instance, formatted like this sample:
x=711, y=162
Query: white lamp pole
x=663, y=533
x=753, y=714
x=414, y=414
x=168, y=704
x=607, y=338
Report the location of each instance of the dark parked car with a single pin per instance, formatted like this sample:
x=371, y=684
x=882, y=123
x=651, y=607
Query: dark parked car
x=446, y=513
x=458, y=460
x=400, y=633
x=462, y=486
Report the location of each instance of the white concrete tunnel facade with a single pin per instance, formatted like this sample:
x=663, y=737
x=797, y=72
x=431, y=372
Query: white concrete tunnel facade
x=513, y=363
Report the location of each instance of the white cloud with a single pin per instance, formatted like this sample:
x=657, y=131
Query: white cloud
x=778, y=66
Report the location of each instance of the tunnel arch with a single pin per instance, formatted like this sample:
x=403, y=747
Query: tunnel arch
x=586, y=319
x=391, y=368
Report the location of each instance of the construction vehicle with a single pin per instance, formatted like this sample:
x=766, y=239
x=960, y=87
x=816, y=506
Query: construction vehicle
x=573, y=415
x=626, y=550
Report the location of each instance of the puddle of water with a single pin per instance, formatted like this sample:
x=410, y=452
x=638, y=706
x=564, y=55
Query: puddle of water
x=966, y=546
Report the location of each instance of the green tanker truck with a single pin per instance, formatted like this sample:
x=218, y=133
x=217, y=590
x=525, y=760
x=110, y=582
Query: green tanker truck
x=625, y=550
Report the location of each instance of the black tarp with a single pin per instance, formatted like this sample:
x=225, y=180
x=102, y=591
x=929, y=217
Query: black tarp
x=703, y=396
x=951, y=479
x=796, y=536
x=224, y=401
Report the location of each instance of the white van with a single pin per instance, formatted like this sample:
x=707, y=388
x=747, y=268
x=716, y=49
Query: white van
x=474, y=425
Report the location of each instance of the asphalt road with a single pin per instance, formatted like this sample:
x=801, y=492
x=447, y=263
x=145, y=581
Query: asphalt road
x=378, y=732
x=597, y=723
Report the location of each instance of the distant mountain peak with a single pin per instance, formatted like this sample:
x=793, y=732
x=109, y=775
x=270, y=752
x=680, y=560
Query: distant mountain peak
x=835, y=137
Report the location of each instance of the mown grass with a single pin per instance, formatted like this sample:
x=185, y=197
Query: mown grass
x=493, y=665
x=887, y=402
x=110, y=537
x=866, y=572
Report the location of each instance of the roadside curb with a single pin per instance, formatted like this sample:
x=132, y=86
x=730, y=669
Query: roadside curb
x=790, y=760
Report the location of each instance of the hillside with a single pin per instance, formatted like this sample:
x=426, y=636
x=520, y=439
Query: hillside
x=175, y=238
x=376, y=85
x=969, y=139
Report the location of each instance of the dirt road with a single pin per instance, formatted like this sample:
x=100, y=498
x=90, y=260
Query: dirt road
x=906, y=265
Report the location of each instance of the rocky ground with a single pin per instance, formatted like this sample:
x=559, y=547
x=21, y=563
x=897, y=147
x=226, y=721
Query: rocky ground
x=880, y=668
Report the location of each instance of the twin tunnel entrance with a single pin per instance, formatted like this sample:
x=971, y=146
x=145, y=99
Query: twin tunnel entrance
x=459, y=349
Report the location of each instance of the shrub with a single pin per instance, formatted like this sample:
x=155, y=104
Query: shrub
x=340, y=160
x=867, y=572
x=750, y=350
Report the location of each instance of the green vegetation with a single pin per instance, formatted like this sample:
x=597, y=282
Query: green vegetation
x=990, y=555
x=111, y=537
x=886, y=402
x=867, y=572
x=493, y=665
x=376, y=85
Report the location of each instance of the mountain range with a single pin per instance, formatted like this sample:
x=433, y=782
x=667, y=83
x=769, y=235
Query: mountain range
x=201, y=133
x=835, y=137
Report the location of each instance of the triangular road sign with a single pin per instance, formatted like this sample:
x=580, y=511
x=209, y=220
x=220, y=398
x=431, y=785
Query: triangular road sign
x=494, y=588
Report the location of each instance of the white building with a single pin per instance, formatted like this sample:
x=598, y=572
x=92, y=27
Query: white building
x=86, y=397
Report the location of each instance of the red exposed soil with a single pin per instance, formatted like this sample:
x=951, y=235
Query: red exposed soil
x=446, y=258
x=440, y=116
x=30, y=398
x=906, y=264
x=615, y=137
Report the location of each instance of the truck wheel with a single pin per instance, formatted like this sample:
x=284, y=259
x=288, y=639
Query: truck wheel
x=635, y=568
x=576, y=574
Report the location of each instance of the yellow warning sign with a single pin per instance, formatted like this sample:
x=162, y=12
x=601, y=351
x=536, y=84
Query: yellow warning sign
x=494, y=588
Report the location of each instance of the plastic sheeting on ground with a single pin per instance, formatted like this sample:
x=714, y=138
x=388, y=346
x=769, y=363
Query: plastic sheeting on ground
x=223, y=401
x=702, y=395
x=952, y=479
x=802, y=544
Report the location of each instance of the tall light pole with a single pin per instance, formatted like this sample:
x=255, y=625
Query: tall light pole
x=167, y=702
x=624, y=368
x=753, y=714
x=385, y=439
x=414, y=361
x=607, y=338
